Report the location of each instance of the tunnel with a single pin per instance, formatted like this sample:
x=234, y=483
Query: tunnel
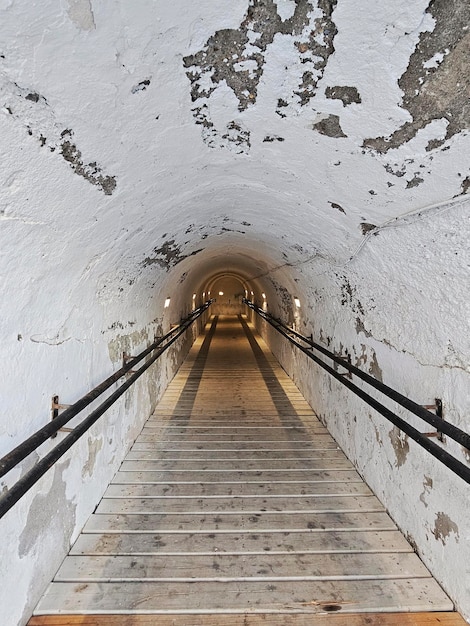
x=309, y=156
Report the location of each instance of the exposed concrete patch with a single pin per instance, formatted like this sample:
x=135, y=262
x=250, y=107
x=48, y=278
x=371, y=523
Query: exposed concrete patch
x=237, y=58
x=329, y=126
x=334, y=205
x=234, y=60
x=465, y=186
x=90, y=171
x=94, y=446
x=238, y=136
x=272, y=138
x=167, y=255
x=415, y=181
x=44, y=514
x=360, y=328
x=316, y=50
x=436, y=83
x=400, y=445
x=443, y=526
x=81, y=14
x=142, y=86
x=31, y=110
x=366, y=227
x=347, y=95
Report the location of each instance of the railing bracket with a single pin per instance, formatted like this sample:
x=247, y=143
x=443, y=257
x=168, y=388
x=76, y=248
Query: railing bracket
x=125, y=360
x=437, y=409
x=55, y=408
x=434, y=418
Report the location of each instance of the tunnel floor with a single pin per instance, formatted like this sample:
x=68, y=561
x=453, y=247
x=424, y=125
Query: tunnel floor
x=235, y=500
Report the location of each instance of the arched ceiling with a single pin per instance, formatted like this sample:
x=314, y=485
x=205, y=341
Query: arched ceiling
x=150, y=143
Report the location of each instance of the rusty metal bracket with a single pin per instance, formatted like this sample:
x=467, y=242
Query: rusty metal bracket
x=55, y=408
x=347, y=373
x=125, y=360
x=437, y=408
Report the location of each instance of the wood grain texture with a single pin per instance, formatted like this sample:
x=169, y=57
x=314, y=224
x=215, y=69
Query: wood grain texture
x=331, y=619
x=236, y=507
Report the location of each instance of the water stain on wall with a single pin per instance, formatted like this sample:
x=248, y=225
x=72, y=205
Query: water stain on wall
x=443, y=526
x=400, y=445
x=42, y=515
x=81, y=14
x=427, y=488
x=126, y=343
x=94, y=446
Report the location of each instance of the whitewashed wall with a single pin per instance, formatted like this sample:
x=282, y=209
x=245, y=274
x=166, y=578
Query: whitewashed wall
x=397, y=309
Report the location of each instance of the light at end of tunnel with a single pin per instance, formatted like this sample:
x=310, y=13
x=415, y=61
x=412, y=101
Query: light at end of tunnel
x=297, y=302
x=194, y=296
x=203, y=295
x=264, y=296
x=221, y=293
x=167, y=303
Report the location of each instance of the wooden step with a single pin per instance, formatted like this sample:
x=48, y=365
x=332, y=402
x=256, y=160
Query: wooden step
x=236, y=507
x=220, y=597
x=328, y=619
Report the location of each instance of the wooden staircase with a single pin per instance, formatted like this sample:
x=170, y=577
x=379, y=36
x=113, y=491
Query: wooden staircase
x=235, y=506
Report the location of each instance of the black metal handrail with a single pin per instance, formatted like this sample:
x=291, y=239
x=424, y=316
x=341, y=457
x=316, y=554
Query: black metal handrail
x=437, y=422
x=18, y=454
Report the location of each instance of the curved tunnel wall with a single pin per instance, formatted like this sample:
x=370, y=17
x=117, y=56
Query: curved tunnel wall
x=297, y=145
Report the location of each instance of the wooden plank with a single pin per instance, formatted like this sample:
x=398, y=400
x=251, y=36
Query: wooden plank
x=241, y=504
x=212, y=597
x=325, y=441
x=218, y=465
x=233, y=455
x=329, y=619
x=237, y=476
x=317, y=522
x=271, y=567
x=301, y=451
x=253, y=431
x=269, y=490
x=209, y=543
